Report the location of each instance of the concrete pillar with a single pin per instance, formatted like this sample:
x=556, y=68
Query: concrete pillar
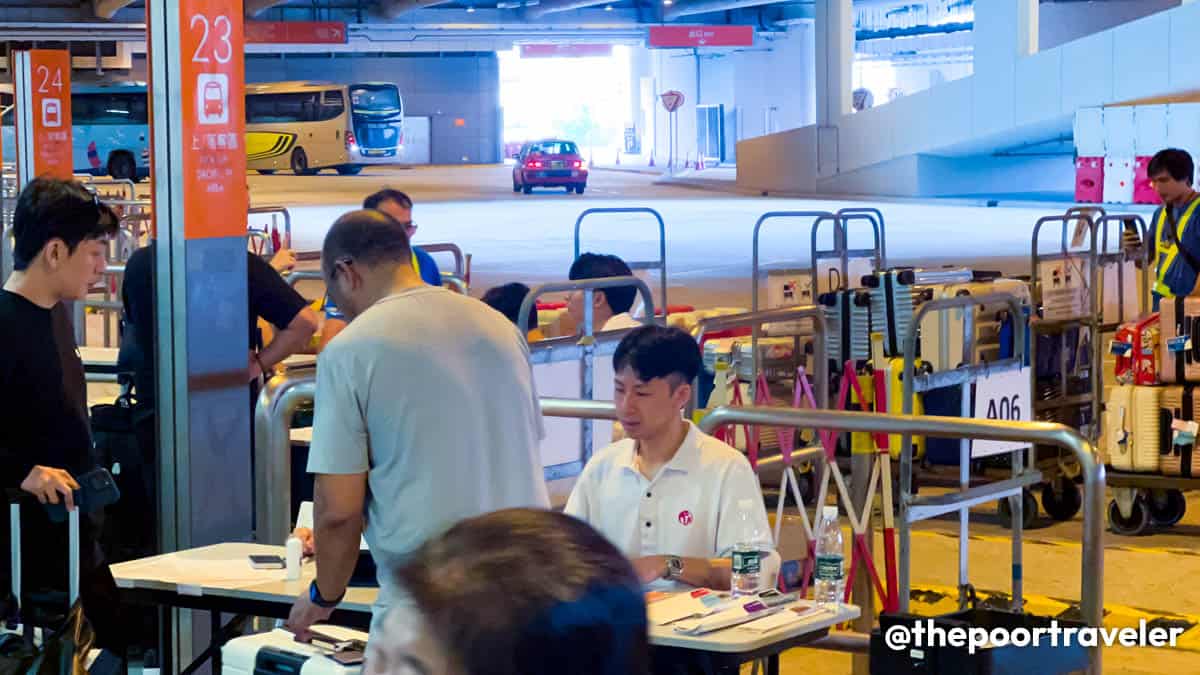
x=1027, y=27
x=835, y=59
x=641, y=105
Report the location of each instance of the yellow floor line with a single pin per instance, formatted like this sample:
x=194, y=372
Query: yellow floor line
x=994, y=538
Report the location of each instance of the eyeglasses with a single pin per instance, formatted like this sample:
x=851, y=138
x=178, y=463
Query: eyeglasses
x=333, y=273
x=410, y=226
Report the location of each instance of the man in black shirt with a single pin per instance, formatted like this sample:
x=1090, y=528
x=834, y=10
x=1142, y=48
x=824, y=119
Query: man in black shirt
x=269, y=297
x=60, y=249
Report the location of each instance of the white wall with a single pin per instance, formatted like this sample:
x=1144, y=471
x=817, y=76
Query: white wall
x=778, y=72
x=1062, y=22
x=1013, y=100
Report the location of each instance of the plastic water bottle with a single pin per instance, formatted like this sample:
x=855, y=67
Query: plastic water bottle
x=830, y=569
x=747, y=558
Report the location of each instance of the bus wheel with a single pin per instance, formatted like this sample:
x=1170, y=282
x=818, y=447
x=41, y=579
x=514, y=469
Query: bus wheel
x=349, y=170
x=300, y=163
x=122, y=167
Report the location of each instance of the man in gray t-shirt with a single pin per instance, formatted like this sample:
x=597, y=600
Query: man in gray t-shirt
x=425, y=414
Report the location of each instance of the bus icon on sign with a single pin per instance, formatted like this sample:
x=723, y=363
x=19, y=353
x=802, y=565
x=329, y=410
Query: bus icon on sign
x=212, y=98
x=51, y=113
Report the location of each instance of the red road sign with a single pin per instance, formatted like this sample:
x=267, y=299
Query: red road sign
x=296, y=32
x=672, y=100
x=701, y=36
x=564, y=50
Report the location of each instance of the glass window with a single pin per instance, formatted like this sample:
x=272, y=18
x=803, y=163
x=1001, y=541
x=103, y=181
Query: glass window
x=282, y=108
x=333, y=105
x=110, y=109
x=555, y=148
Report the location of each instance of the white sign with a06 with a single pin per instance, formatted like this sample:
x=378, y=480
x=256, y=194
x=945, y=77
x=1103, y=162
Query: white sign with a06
x=1004, y=397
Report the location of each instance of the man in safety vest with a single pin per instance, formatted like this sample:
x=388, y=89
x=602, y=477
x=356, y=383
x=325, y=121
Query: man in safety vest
x=1176, y=253
x=399, y=207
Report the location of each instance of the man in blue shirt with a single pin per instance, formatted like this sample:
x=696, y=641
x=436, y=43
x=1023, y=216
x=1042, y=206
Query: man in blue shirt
x=399, y=207
x=1176, y=253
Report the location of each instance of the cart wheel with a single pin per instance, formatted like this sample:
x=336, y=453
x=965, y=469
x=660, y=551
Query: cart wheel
x=1029, y=509
x=1167, y=507
x=1137, y=522
x=1062, y=506
x=808, y=485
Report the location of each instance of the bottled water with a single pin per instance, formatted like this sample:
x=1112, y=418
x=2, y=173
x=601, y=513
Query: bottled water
x=830, y=573
x=747, y=558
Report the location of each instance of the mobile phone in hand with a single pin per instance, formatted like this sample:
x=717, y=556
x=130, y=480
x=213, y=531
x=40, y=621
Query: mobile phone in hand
x=97, y=490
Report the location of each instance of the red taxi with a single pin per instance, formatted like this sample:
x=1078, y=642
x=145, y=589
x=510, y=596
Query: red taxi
x=549, y=163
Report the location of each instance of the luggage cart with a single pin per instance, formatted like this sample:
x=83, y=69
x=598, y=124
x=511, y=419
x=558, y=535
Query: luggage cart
x=277, y=215
x=460, y=278
x=636, y=265
x=913, y=510
x=841, y=251
x=1092, y=563
x=1081, y=398
x=584, y=348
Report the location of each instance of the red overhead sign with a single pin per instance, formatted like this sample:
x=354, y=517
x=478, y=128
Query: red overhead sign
x=701, y=36
x=572, y=51
x=296, y=32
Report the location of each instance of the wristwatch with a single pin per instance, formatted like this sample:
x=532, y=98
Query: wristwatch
x=674, y=568
x=314, y=594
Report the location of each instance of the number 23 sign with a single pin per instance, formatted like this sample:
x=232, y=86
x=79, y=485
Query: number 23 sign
x=1002, y=397
x=213, y=83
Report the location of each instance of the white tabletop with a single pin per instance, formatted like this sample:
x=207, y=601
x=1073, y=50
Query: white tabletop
x=302, y=436
x=737, y=640
x=223, y=570
x=297, y=361
x=99, y=356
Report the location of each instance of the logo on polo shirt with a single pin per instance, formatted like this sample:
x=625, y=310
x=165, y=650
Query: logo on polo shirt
x=685, y=518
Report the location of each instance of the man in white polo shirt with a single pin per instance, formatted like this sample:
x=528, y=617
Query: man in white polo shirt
x=668, y=495
x=425, y=414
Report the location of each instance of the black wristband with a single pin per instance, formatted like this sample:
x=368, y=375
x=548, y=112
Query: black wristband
x=314, y=594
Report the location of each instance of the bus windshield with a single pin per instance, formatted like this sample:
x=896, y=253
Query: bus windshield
x=375, y=99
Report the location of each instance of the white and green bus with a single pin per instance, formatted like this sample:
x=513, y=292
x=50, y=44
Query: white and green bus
x=309, y=126
x=111, y=129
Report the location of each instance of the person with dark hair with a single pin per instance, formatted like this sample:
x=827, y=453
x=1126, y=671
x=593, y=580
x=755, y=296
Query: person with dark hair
x=60, y=249
x=516, y=592
x=1176, y=252
x=425, y=414
x=668, y=495
x=507, y=300
x=399, y=207
x=610, y=307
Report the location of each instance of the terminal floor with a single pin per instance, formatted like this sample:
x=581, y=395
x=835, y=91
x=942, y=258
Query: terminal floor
x=516, y=237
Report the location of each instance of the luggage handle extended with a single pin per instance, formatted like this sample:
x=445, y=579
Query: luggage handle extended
x=15, y=497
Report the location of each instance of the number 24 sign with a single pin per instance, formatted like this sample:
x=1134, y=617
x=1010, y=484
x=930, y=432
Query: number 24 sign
x=1002, y=397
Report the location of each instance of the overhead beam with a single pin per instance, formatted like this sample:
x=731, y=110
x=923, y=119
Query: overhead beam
x=107, y=9
x=392, y=9
x=256, y=7
x=680, y=10
x=552, y=6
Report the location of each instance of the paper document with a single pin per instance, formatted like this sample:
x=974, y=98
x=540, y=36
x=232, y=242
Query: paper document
x=699, y=602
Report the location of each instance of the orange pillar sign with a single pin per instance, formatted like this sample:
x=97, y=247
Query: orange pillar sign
x=214, y=122
x=43, y=113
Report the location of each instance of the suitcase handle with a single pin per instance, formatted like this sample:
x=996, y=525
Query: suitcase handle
x=15, y=497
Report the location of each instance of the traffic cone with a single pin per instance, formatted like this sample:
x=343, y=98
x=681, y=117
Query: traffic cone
x=592, y=160
x=700, y=162
x=618, y=158
x=652, y=159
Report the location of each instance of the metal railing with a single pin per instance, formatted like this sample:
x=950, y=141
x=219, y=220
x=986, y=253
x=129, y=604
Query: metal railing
x=276, y=213
x=635, y=265
x=756, y=319
x=913, y=509
x=461, y=262
x=277, y=404
x=1092, y=564
x=588, y=286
